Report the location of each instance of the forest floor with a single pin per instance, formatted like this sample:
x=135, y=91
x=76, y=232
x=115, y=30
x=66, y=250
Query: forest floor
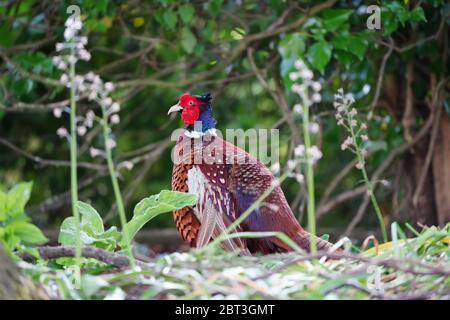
x=415, y=268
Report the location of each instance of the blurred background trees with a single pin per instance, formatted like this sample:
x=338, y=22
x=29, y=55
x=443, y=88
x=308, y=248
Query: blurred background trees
x=242, y=52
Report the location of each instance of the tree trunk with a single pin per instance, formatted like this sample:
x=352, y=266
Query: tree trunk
x=441, y=170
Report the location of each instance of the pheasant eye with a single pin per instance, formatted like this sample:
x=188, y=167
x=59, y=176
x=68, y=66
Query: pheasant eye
x=191, y=103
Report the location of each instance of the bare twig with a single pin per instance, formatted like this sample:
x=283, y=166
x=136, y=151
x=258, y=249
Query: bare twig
x=49, y=253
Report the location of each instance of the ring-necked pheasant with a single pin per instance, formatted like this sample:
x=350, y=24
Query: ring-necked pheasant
x=227, y=180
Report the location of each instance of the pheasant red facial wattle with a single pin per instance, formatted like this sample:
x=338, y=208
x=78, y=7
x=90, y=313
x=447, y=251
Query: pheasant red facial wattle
x=226, y=189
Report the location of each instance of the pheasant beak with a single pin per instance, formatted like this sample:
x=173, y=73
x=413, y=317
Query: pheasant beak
x=175, y=108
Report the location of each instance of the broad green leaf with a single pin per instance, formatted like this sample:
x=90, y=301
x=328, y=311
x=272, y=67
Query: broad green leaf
x=357, y=45
x=90, y=217
x=153, y=206
x=319, y=54
x=188, y=40
x=186, y=13
x=334, y=18
x=67, y=233
x=27, y=232
x=18, y=196
x=170, y=19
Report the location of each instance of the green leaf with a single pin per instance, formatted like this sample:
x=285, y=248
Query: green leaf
x=23, y=86
x=17, y=197
x=153, y=206
x=90, y=218
x=417, y=15
x=170, y=19
x=188, y=40
x=3, y=199
x=334, y=18
x=27, y=232
x=186, y=13
x=319, y=54
x=292, y=46
x=357, y=45
x=214, y=6
x=67, y=233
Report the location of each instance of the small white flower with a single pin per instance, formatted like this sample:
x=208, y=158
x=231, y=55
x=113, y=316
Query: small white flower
x=299, y=151
x=109, y=86
x=316, y=86
x=110, y=143
x=364, y=152
x=293, y=76
x=73, y=23
x=56, y=60
x=78, y=80
x=341, y=108
x=115, y=107
x=115, y=119
x=297, y=88
x=92, y=95
x=90, y=76
x=89, y=119
x=385, y=183
x=300, y=178
x=107, y=101
x=306, y=74
x=315, y=153
x=353, y=123
x=364, y=137
x=291, y=164
x=314, y=127
x=299, y=64
x=128, y=165
x=359, y=165
x=275, y=168
x=298, y=108
x=83, y=40
x=94, y=152
x=59, y=46
x=340, y=122
x=62, y=132
x=57, y=112
x=353, y=112
x=84, y=55
x=81, y=130
x=363, y=126
x=316, y=97
x=62, y=65
x=69, y=33
x=64, y=79
x=72, y=59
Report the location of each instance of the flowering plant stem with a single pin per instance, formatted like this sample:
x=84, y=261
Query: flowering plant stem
x=73, y=170
x=309, y=175
x=368, y=183
x=116, y=188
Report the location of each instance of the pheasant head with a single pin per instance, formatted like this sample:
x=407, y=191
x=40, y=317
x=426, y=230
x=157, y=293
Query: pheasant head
x=194, y=108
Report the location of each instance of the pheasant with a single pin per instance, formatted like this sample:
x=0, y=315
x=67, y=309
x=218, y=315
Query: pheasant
x=227, y=181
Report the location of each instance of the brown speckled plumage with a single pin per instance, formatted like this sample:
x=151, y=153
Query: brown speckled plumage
x=231, y=188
